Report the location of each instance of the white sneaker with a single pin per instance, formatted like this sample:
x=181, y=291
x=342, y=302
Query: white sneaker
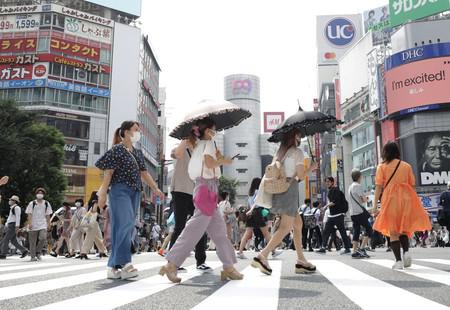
x=398, y=265
x=113, y=274
x=407, y=260
x=276, y=253
x=241, y=255
x=128, y=271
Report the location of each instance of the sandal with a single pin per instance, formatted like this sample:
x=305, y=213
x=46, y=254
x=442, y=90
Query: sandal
x=302, y=268
x=128, y=271
x=261, y=265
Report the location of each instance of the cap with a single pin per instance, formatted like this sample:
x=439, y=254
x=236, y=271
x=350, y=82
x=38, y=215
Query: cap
x=15, y=198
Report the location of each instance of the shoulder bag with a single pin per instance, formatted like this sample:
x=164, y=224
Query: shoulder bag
x=205, y=198
x=365, y=212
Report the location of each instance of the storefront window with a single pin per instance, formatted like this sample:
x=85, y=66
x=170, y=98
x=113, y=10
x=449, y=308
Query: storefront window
x=76, y=180
x=76, y=152
x=43, y=44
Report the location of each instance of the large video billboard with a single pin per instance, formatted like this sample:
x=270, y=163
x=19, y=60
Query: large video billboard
x=132, y=7
x=433, y=158
x=418, y=84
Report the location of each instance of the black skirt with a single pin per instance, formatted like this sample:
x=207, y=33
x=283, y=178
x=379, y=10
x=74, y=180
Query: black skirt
x=256, y=220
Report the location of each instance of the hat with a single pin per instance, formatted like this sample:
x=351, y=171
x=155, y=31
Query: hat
x=15, y=198
x=40, y=189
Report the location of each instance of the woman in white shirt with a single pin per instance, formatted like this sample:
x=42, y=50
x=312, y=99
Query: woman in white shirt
x=204, y=169
x=286, y=204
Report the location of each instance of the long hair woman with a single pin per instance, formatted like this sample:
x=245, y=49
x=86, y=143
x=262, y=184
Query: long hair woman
x=401, y=212
x=204, y=169
x=286, y=204
x=124, y=170
x=255, y=219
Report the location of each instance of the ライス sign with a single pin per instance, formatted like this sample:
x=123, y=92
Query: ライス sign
x=402, y=11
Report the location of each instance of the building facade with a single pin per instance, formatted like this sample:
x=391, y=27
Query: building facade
x=66, y=60
x=243, y=90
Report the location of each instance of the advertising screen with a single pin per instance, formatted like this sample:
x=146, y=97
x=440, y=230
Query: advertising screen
x=433, y=158
x=418, y=84
x=132, y=7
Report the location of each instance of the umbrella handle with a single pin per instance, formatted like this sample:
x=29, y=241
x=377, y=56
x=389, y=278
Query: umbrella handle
x=310, y=150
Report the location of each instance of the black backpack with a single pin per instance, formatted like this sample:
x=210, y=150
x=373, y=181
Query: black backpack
x=343, y=206
x=24, y=216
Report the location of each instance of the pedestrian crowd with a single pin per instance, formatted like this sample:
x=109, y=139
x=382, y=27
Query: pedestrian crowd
x=202, y=218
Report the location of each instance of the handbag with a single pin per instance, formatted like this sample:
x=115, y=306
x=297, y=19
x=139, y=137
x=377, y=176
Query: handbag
x=365, y=212
x=205, y=198
x=88, y=220
x=275, y=180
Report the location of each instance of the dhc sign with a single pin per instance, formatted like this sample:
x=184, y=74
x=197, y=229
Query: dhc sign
x=340, y=31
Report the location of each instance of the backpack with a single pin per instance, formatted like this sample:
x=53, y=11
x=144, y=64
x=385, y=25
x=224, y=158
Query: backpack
x=310, y=220
x=445, y=200
x=23, y=215
x=275, y=181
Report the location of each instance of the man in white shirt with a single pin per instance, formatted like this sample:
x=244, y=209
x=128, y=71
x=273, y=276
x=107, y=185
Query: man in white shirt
x=39, y=212
x=12, y=228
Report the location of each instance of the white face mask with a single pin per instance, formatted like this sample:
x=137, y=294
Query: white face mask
x=11, y=203
x=77, y=204
x=212, y=134
x=39, y=196
x=136, y=137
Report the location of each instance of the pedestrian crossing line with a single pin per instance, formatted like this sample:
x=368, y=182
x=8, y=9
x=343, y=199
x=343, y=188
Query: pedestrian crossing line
x=46, y=271
x=54, y=284
x=423, y=272
x=9, y=264
x=124, y=294
x=29, y=265
x=435, y=261
x=356, y=285
x=255, y=291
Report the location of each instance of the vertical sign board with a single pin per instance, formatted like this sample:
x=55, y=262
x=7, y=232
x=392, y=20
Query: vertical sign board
x=402, y=11
x=374, y=93
x=335, y=35
x=272, y=120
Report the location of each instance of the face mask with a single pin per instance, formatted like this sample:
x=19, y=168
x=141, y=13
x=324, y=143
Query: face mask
x=39, y=196
x=11, y=203
x=77, y=204
x=212, y=134
x=136, y=137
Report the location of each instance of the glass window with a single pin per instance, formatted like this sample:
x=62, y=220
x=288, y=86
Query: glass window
x=64, y=96
x=97, y=148
x=49, y=95
x=70, y=72
x=76, y=99
x=93, y=78
x=43, y=44
x=58, y=20
x=46, y=19
x=88, y=101
x=105, y=56
x=104, y=80
x=55, y=69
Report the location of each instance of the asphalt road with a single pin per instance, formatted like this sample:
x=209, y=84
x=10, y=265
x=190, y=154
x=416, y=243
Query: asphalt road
x=340, y=283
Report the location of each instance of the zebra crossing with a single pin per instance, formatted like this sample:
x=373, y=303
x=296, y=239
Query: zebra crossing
x=339, y=283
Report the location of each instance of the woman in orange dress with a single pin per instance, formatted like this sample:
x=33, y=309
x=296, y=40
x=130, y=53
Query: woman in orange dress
x=401, y=212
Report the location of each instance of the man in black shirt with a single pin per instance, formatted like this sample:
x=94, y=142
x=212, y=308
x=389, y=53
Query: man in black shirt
x=338, y=206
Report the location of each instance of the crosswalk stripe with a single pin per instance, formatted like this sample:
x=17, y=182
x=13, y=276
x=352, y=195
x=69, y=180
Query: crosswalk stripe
x=29, y=265
x=423, y=272
x=356, y=285
x=53, y=284
x=434, y=261
x=255, y=291
x=123, y=294
x=8, y=265
x=47, y=271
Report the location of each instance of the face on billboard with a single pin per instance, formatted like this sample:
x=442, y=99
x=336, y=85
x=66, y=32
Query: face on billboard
x=433, y=153
x=378, y=21
x=417, y=84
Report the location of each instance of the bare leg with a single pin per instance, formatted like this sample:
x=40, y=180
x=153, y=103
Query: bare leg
x=298, y=225
x=285, y=227
x=247, y=235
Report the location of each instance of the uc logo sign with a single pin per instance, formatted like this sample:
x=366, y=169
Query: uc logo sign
x=340, y=31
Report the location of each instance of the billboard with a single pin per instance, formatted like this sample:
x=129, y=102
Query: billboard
x=132, y=7
x=418, y=84
x=38, y=70
x=272, y=120
x=402, y=11
x=18, y=45
x=75, y=49
x=418, y=53
x=433, y=157
x=88, y=30
x=336, y=34
x=377, y=20
x=19, y=22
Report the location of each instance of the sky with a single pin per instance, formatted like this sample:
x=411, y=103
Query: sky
x=199, y=42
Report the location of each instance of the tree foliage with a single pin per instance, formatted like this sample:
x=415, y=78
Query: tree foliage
x=31, y=154
x=229, y=186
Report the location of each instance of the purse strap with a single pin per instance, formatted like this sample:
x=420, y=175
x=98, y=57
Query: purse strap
x=353, y=197
x=392, y=174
